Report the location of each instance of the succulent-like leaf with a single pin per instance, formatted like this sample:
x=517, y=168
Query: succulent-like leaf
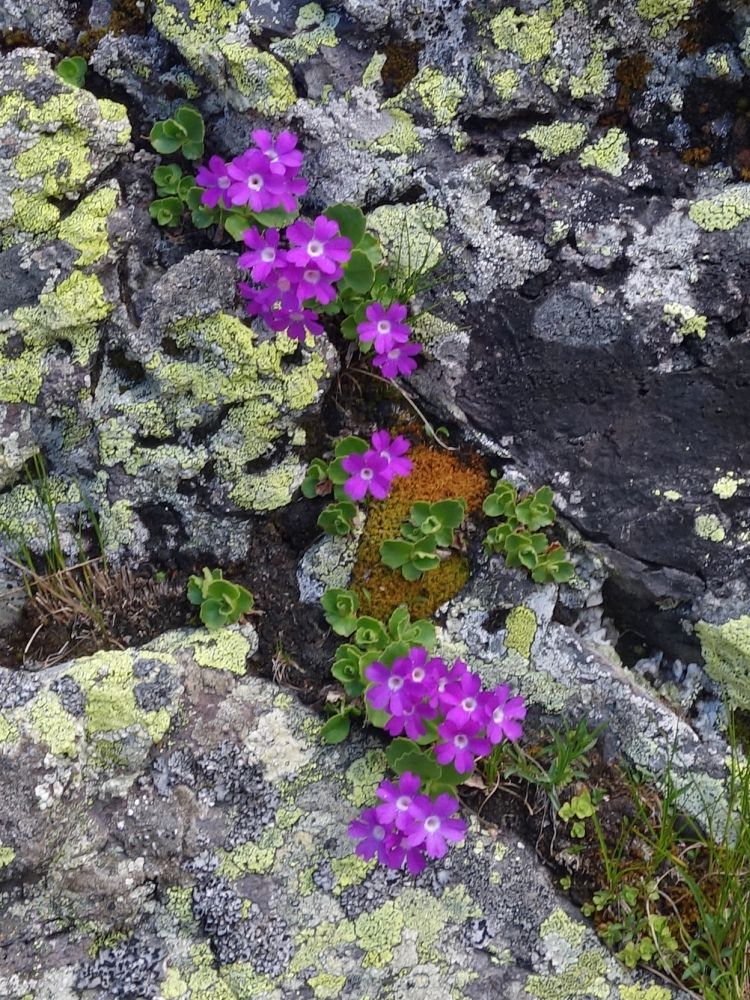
x=72, y=69
x=359, y=273
x=351, y=221
x=336, y=729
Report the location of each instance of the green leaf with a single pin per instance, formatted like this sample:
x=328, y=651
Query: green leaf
x=186, y=185
x=72, y=69
x=202, y=218
x=338, y=518
x=275, y=218
x=317, y=473
x=370, y=246
x=166, y=137
x=336, y=729
x=370, y=632
x=359, y=273
x=395, y=553
x=399, y=622
x=213, y=614
x=166, y=211
x=236, y=224
x=351, y=221
x=167, y=179
x=398, y=747
x=191, y=121
x=410, y=572
x=349, y=328
x=420, y=633
x=351, y=445
x=417, y=762
x=195, y=590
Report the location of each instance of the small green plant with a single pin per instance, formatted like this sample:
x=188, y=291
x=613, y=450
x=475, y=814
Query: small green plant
x=580, y=808
x=338, y=518
x=184, y=132
x=340, y=610
x=73, y=69
x=221, y=602
x=556, y=763
x=518, y=537
x=426, y=537
x=371, y=640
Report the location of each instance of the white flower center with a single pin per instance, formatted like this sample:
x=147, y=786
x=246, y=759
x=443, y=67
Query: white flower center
x=395, y=353
x=312, y=276
x=272, y=154
x=432, y=824
x=384, y=326
x=255, y=182
x=417, y=675
x=403, y=802
x=224, y=182
x=395, y=683
x=315, y=248
x=296, y=317
x=469, y=705
x=284, y=284
x=378, y=832
x=461, y=740
x=268, y=254
x=367, y=474
x=498, y=715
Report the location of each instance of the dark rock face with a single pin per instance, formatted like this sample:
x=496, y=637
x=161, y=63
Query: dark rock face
x=592, y=406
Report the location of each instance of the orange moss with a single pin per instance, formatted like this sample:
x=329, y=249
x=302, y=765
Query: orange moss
x=437, y=475
x=697, y=156
x=631, y=74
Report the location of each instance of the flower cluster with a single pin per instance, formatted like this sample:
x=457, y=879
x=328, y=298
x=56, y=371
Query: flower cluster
x=263, y=177
x=386, y=331
x=407, y=827
x=374, y=470
x=293, y=276
x=419, y=689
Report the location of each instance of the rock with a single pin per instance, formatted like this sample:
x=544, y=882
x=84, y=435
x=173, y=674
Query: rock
x=199, y=849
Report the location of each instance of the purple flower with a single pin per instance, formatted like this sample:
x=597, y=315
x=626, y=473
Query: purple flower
x=410, y=721
x=393, y=452
x=389, y=693
x=297, y=322
x=460, y=744
x=445, y=677
x=399, y=360
x=383, y=327
x=462, y=701
x=399, y=852
x=367, y=472
x=319, y=244
x=283, y=158
x=372, y=835
x=252, y=182
x=460, y=698
x=397, y=800
x=312, y=283
x=433, y=824
x=215, y=179
x=421, y=677
x=503, y=714
x=264, y=254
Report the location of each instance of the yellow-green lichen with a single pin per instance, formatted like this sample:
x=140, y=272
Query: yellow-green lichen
x=686, y=320
x=529, y=36
x=261, y=78
x=6, y=856
x=440, y=94
x=246, y=983
x=726, y=486
x=560, y=924
x=33, y=214
x=726, y=650
x=350, y=870
x=378, y=933
x=557, y=139
x=223, y=650
x=709, y=526
x=363, y=777
x=407, y=235
x=724, y=211
x=173, y=986
x=8, y=732
x=53, y=725
x=664, y=15
x=505, y=83
x=609, y=154
x=326, y=986
x=86, y=227
x=314, y=943
x=644, y=993
x=401, y=138
x=586, y=979
x=592, y=82
x=315, y=29
x=372, y=73
x=250, y=858
x=521, y=626
x=71, y=312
